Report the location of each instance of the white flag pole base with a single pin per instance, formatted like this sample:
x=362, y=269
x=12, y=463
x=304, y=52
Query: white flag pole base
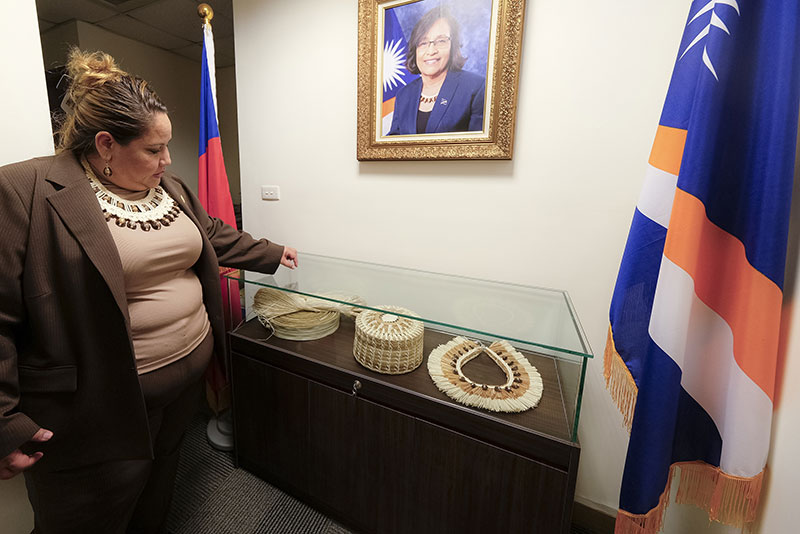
x=220, y=431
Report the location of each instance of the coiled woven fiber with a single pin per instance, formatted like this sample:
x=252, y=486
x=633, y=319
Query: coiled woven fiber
x=298, y=317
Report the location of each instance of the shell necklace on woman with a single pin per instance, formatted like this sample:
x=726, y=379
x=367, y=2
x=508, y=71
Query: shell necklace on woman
x=155, y=210
x=429, y=94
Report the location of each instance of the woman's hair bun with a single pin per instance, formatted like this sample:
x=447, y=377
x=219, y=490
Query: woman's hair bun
x=89, y=70
x=103, y=97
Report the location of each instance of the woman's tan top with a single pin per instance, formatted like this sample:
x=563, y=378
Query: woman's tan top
x=165, y=298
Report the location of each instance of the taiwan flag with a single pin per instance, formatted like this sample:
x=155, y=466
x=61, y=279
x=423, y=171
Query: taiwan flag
x=215, y=195
x=395, y=73
x=695, y=315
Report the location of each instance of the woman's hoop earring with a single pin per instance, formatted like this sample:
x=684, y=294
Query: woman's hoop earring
x=107, y=170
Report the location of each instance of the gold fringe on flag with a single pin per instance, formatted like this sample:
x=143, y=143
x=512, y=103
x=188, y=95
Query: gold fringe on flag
x=649, y=523
x=619, y=381
x=727, y=499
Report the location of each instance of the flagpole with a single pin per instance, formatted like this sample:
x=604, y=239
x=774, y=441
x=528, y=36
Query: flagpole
x=220, y=427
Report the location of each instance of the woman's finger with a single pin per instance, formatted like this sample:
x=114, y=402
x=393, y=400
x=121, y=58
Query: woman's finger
x=42, y=435
x=17, y=462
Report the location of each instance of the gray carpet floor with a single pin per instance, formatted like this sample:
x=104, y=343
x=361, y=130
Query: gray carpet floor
x=213, y=497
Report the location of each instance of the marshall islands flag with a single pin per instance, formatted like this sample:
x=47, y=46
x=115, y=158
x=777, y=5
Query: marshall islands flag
x=395, y=73
x=692, y=347
x=215, y=195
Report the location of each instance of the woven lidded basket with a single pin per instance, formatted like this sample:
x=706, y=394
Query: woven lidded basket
x=388, y=343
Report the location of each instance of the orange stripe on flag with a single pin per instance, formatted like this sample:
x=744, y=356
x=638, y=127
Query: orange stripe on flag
x=668, y=149
x=726, y=282
x=388, y=107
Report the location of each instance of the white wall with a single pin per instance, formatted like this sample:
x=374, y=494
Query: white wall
x=26, y=128
x=175, y=78
x=593, y=80
x=779, y=508
x=25, y=133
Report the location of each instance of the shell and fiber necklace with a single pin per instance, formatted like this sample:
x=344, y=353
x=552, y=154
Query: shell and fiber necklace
x=425, y=99
x=155, y=210
x=521, y=390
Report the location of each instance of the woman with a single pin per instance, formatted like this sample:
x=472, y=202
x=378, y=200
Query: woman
x=110, y=309
x=444, y=98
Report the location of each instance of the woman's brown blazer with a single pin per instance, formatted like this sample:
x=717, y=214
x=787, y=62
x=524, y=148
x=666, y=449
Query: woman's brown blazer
x=66, y=356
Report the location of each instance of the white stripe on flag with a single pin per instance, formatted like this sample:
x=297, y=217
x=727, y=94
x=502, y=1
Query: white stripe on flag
x=701, y=343
x=386, y=123
x=658, y=193
x=208, y=37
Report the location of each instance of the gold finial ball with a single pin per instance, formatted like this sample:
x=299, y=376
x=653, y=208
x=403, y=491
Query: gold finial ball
x=205, y=11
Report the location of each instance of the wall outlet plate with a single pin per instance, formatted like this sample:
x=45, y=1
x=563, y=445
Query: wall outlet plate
x=270, y=192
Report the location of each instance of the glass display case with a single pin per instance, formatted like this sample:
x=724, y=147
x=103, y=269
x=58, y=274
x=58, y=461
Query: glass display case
x=393, y=453
x=540, y=322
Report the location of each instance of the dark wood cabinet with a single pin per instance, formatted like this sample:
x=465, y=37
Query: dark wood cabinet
x=396, y=455
x=359, y=454
x=271, y=422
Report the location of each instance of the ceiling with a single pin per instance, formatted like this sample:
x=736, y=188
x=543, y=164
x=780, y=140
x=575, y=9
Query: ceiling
x=173, y=25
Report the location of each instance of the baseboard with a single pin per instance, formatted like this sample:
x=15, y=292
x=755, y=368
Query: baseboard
x=588, y=520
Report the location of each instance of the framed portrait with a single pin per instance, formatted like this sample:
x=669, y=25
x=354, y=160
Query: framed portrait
x=437, y=79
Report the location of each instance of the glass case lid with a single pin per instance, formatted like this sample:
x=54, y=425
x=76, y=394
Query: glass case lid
x=538, y=319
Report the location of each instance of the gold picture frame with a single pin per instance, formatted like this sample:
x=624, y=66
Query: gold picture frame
x=390, y=135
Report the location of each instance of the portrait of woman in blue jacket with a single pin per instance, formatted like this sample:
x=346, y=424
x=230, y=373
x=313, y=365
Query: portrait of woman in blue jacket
x=444, y=98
